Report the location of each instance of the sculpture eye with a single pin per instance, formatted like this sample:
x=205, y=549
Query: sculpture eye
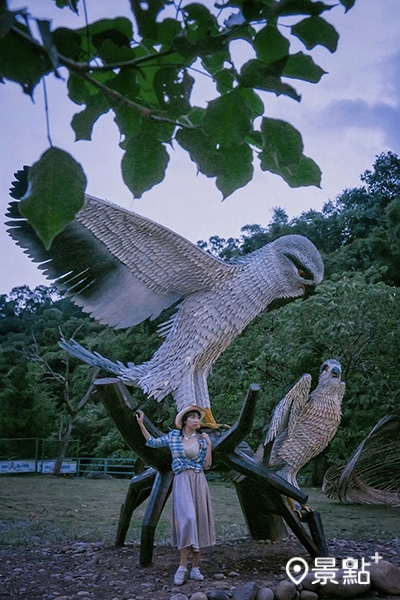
x=302, y=270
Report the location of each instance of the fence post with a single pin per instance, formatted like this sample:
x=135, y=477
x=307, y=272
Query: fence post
x=36, y=454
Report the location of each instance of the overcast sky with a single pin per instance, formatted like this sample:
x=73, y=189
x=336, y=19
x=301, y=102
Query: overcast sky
x=346, y=120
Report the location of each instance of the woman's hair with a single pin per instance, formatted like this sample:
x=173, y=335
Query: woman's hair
x=189, y=413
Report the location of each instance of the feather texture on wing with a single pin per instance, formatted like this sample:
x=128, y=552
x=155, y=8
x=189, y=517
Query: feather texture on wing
x=120, y=267
x=123, y=268
x=303, y=424
x=286, y=413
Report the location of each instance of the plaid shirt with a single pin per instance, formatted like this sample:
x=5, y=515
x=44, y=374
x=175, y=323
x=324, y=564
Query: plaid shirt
x=180, y=462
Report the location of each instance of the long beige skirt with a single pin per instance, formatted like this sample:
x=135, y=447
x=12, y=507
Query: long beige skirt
x=192, y=514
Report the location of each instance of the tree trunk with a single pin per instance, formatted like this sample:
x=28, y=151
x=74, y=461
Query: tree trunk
x=318, y=469
x=65, y=438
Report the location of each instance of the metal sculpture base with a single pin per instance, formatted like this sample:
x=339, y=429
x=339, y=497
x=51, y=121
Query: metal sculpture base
x=263, y=496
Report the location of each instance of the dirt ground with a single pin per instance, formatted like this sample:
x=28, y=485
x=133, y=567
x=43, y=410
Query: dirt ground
x=81, y=570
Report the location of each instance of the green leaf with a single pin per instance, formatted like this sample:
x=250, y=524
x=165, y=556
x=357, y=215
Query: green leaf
x=227, y=119
x=211, y=45
x=348, y=4
x=282, y=146
x=253, y=9
x=118, y=31
x=256, y=74
x=22, y=62
x=118, y=38
x=146, y=17
x=215, y=62
x=255, y=139
x=270, y=45
x=231, y=165
x=201, y=148
x=67, y=42
x=173, y=89
x=199, y=22
x=78, y=90
x=307, y=173
x=302, y=66
x=282, y=153
x=127, y=119
x=168, y=29
x=215, y=65
x=194, y=117
x=185, y=48
x=305, y=7
x=224, y=80
x=72, y=4
x=125, y=83
x=6, y=20
x=159, y=130
x=143, y=164
x=82, y=123
x=252, y=100
x=315, y=31
x=236, y=168
x=110, y=52
x=145, y=79
x=56, y=192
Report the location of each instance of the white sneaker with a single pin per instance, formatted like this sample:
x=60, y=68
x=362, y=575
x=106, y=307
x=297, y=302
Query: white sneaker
x=180, y=575
x=196, y=574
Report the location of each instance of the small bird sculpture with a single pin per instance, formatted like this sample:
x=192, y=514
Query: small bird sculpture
x=303, y=424
x=123, y=268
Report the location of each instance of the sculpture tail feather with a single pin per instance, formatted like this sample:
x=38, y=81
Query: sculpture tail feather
x=97, y=360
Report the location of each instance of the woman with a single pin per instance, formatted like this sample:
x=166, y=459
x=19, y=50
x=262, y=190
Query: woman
x=192, y=516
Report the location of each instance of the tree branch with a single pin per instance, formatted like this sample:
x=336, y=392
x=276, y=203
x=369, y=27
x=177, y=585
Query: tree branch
x=79, y=69
x=135, y=62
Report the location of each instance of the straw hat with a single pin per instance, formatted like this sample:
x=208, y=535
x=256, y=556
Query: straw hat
x=182, y=413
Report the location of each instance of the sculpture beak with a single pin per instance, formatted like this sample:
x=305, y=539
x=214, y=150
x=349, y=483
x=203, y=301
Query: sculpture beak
x=309, y=290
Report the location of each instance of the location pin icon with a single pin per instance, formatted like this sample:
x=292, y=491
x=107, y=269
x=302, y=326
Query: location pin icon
x=296, y=569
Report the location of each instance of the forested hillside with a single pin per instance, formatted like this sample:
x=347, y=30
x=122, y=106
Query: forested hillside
x=354, y=316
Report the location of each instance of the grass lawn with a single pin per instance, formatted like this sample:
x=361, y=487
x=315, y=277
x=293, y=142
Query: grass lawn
x=43, y=508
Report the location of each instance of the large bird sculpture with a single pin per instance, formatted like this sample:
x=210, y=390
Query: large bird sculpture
x=123, y=268
x=303, y=423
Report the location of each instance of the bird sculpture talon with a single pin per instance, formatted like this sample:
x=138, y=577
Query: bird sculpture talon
x=210, y=422
x=301, y=510
x=296, y=507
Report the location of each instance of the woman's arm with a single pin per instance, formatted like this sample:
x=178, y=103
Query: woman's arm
x=139, y=418
x=208, y=457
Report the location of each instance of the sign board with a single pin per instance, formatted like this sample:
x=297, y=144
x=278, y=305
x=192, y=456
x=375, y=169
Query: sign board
x=17, y=466
x=47, y=466
x=29, y=466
